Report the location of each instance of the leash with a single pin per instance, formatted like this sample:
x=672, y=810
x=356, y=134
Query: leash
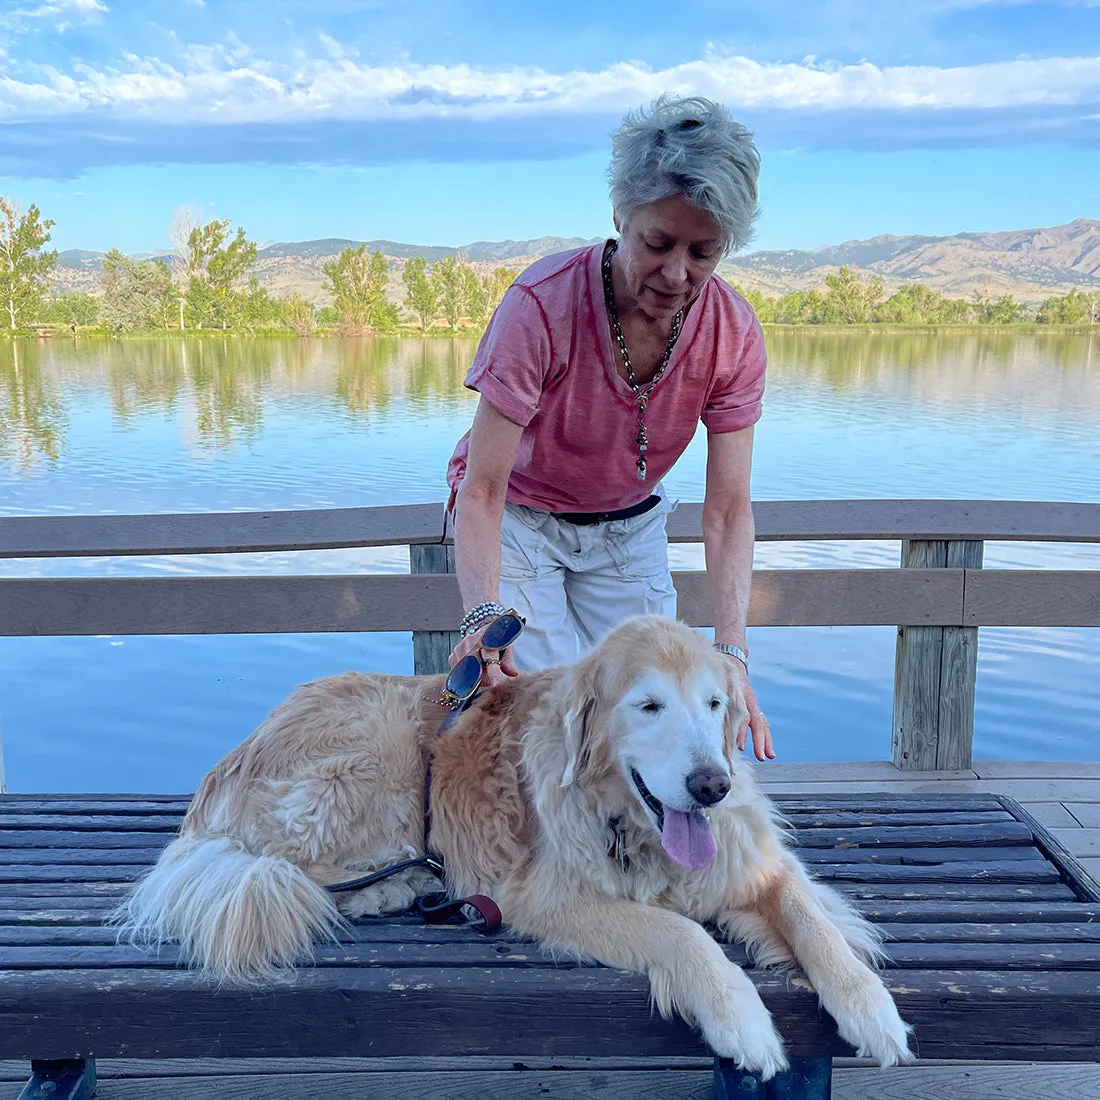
x=437, y=907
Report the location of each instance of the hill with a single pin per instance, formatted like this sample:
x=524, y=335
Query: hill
x=1030, y=264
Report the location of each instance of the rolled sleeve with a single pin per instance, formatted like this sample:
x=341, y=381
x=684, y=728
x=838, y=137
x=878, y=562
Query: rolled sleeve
x=736, y=401
x=513, y=359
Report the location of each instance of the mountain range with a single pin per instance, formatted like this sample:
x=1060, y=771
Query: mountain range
x=1030, y=264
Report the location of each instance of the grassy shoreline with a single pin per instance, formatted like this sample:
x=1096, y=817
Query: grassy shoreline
x=1018, y=328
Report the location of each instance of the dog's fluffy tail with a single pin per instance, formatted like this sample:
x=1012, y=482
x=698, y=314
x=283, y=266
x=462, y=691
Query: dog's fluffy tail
x=238, y=917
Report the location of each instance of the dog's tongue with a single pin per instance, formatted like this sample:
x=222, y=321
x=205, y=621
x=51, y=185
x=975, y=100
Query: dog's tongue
x=687, y=838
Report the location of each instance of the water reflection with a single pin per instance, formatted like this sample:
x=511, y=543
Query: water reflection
x=220, y=387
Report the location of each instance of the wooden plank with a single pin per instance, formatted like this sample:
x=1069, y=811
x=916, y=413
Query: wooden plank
x=22, y=857
x=60, y=889
x=51, y=606
x=103, y=796
x=994, y=871
x=930, y=857
x=926, y=836
x=918, y=659
x=965, y=932
x=983, y=956
x=938, y=891
x=552, y=1084
x=1033, y=597
x=157, y=823
x=969, y=1082
x=860, y=770
x=1086, y=814
x=66, y=839
x=974, y=912
x=1078, y=841
x=1026, y=791
x=99, y=806
x=1037, y=769
x=958, y=672
x=432, y=648
x=848, y=819
x=401, y=525
x=834, y=597
x=218, y=532
x=599, y=1012
x=1053, y=815
x=67, y=872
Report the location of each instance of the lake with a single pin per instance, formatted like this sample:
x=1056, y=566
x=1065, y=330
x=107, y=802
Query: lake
x=211, y=424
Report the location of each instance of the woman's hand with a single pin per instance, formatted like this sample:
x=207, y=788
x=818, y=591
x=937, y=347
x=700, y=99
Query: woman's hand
x=497, y=663
x=755, y=721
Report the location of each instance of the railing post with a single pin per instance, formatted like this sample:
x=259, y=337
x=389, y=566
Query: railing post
x=935, y=673
x=431, y=648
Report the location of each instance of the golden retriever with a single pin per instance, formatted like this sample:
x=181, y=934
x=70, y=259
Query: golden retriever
x=530, y=790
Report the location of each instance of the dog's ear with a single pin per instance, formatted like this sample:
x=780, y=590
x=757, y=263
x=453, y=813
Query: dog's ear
x=580, y=705
x=576, y=723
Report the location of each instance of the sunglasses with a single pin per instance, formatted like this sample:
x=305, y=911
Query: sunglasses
x=464, y=679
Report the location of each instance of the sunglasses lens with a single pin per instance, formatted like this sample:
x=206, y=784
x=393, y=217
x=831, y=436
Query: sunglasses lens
x=502, y=632
x=464, y=677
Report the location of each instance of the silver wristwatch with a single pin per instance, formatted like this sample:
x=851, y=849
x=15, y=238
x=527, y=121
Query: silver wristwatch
x=734, y=651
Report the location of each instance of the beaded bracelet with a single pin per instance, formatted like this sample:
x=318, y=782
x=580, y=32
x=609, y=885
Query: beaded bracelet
x=478, y=613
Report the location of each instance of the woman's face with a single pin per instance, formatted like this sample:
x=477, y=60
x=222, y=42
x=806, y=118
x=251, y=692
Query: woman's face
x=667, y=251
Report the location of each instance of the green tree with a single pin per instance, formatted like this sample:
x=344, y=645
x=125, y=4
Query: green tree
x=997, y=311
x=136, y=296
x=1073, y=308
x=804, y=307
x=420, y=292
x=71, y=308
x=357, y=283
x=451, y=288
x=24, y=267
x=764, y=308
x=214, y=262
x=853, y=300
x=497, y=283
x=918, y=304
x=299, y=314
x=475, y=293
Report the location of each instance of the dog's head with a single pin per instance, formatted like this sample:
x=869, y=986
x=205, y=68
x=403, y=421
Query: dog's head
x=652, y=705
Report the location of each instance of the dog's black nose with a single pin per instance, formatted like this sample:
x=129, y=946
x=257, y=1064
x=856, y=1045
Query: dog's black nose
x=708, y=785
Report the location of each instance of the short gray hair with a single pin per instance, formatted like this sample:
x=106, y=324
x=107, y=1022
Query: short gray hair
x=687, y=145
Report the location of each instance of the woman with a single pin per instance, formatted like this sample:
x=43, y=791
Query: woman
x=594, y=373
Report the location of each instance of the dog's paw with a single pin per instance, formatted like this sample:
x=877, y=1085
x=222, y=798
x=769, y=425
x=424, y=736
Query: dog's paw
x=872, y=1024
x=383, y=899
x=753, y=1044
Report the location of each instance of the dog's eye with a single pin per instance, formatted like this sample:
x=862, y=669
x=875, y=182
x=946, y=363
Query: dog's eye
x=715, y=703
x=651, y=706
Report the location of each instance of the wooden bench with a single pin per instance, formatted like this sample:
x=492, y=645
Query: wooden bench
x=994, y=954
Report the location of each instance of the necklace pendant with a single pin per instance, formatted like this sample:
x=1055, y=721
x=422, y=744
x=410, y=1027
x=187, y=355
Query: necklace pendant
x=641, y=468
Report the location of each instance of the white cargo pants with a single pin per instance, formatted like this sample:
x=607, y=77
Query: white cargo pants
x=573, y=583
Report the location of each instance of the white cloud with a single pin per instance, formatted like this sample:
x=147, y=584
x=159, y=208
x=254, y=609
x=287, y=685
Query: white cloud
x=84, y=8
x=231, y=86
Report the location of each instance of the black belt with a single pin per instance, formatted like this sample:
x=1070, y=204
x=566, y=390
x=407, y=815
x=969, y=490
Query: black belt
x=584, y=519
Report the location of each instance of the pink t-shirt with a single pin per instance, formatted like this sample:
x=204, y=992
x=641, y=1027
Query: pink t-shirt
x=546, y=363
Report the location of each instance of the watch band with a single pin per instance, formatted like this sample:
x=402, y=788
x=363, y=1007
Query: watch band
x=733, y=651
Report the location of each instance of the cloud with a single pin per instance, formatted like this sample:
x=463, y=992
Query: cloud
x=219, y=101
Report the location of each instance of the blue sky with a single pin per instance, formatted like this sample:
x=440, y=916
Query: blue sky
x=449, y=121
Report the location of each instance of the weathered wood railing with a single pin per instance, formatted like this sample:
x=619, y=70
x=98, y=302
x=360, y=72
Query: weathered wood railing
x=938, y=598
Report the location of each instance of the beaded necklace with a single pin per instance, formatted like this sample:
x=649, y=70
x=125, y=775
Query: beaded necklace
x=640, y=395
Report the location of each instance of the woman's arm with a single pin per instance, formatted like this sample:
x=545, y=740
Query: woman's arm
x=728, y=537
x=479, y=510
